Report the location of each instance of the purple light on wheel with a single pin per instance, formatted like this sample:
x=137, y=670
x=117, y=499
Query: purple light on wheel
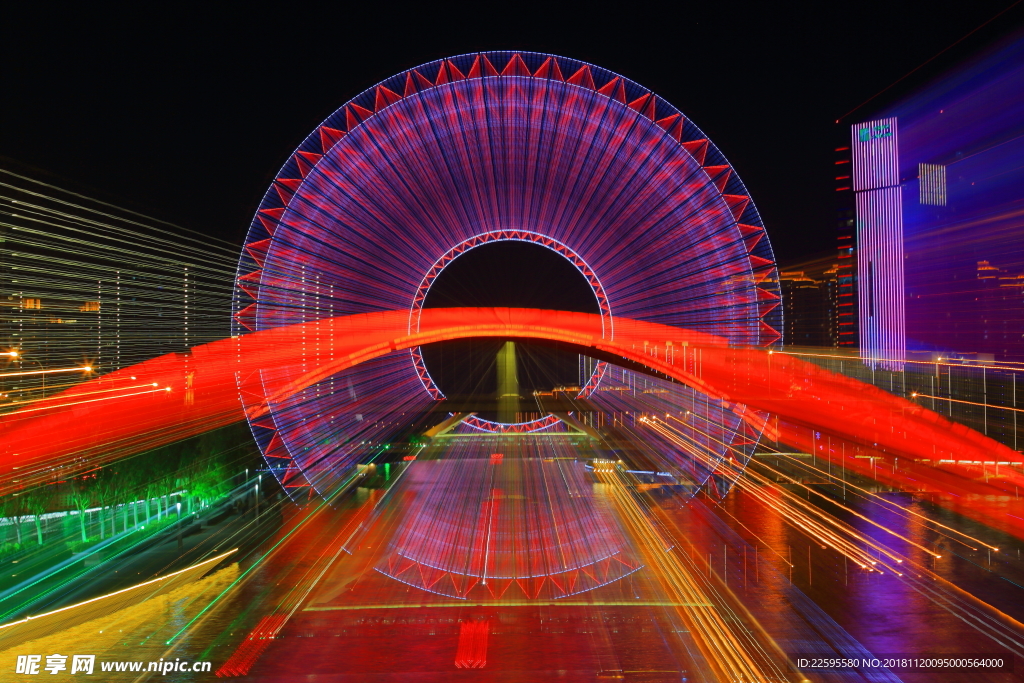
x=495, y=143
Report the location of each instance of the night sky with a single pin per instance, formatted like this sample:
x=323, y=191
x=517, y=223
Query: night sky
x=187, y=116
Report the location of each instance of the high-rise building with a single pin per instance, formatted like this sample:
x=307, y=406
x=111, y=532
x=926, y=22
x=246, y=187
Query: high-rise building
x=846, y=268
x=86, y=284
x=881, y=290
x=810, y=307
x=938, y=185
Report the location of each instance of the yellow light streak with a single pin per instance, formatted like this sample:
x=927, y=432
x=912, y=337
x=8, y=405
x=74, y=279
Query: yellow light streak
x=86, y=368
x=876, y=498
x=723, y=647
x=75, y=403
x=84, y=393
x=49, y=387
x=801, y=516
x=970, y=403
x=903, y=360
x=123, y=590
x=880, y=500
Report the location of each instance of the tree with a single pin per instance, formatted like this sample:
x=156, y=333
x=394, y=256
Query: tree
x=9, y=508
x=81, y=497
x=17, y=512
x=37, y=502
x=134, y=483
x=105, y=490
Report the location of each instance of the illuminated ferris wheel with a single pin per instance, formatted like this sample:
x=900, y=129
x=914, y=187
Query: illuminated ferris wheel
x=441, y=159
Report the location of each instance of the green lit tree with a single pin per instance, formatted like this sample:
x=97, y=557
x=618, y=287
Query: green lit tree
x=10, y=507
x=81, y=497
x=18, y=512
x=38, y=502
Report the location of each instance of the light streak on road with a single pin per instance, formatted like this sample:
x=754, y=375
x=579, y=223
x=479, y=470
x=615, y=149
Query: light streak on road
x=817, y=524
x=731, y=650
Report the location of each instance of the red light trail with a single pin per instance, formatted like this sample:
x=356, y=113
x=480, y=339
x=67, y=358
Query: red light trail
x=802, y=396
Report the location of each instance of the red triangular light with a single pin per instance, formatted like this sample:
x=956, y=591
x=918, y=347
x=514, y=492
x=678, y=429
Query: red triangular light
x=249, y=289
x=498, y=586
x=385, y=97
x=266, y=423
x=766, y=307
x=583, y=78
x=258, y=251
x=404, y=564
x=516, y=67
x=608, y=89
x=651, y=110
x=719, y=175
x=270, y=218
x=668, y=121
x=355, y=114
x=254, y=276
x=698, y=149
x=449, y=72
x=486, y=68
x=329, y=136
x=286, y=187
x=430, y=575
x=362, y=112
x=247, y=317
x=442, y=74
x=306, y=161
x=770, y=332
x=751, y=235
x=410, y=85
x=641, y=102
x=673, y=125
x=422, y=81
x=469, y=583
x=737, y=204
x=549, y=69
x=276, y=447
x=620, y=94
x=415, y=81
x=283, y=192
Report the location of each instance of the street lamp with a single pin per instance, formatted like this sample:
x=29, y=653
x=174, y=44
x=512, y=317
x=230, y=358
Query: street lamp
x=177, y=523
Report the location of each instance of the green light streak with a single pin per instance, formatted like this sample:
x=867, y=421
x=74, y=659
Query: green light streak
x=341, y=489
x=95, y=549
